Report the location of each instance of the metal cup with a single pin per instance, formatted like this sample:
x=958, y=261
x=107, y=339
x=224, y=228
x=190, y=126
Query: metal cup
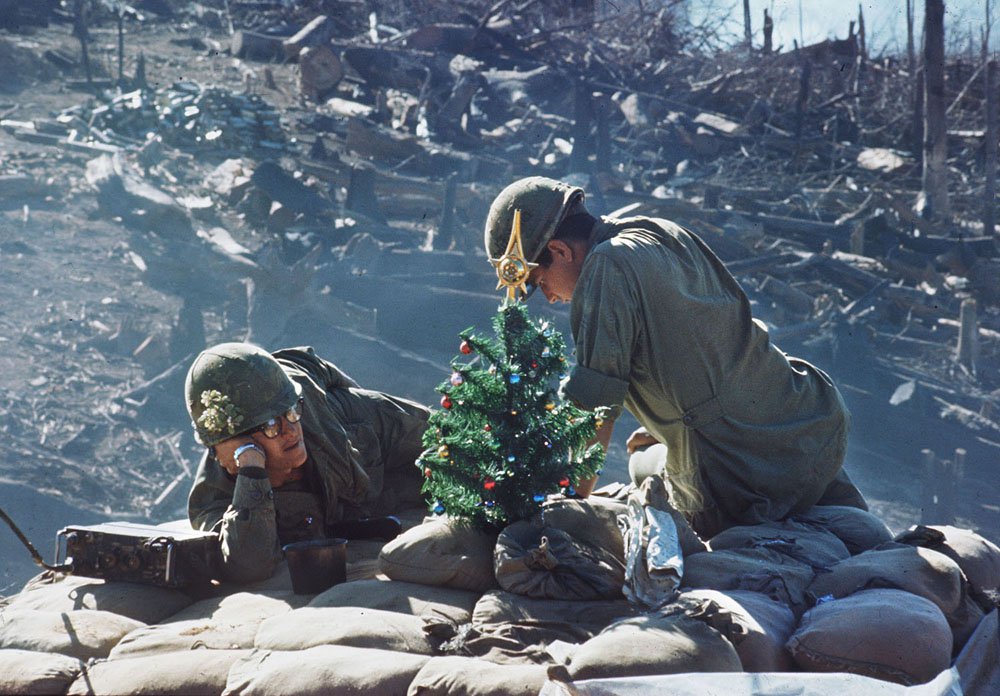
x=317, y=564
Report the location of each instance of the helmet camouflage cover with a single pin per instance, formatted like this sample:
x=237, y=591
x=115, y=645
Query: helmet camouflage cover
x=543, y=203
x=233, y=387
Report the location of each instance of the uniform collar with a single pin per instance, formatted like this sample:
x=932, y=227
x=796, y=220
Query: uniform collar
x=604, y=229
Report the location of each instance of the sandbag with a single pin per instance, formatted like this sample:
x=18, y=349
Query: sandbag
x=804, y=543
x=594, y=521
x=80, y=634
x=192, y=634
x=498, y=607
x=185, y=673
x=57, y=592
x=445, y=553
x=361, y=628
x=545, y=562
x=469, y=676
x=859, y=529
x=883, y=633
x=240, y=607
x=217, y=623
x=31, y=672
x=978, y=557
x=923, y=572
x=758, y=626
x=758, y=570
x=403, y=597
x=540, y=622
x=326, y=670
x=654, y=644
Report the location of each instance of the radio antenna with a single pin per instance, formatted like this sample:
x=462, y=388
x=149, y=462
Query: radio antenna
x=35, y=556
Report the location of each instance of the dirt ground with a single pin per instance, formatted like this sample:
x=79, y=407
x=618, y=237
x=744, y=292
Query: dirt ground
x=76, y=304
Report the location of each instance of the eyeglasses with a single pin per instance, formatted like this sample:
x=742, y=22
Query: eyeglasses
x=272, y=427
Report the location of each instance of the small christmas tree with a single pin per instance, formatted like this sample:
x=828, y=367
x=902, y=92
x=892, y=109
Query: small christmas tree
x=503, y=439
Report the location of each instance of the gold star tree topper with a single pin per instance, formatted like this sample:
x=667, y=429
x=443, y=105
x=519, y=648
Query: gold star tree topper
x=512, y=268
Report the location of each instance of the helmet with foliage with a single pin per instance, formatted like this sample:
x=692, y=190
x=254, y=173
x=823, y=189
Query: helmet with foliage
x=543, y=203
x=233, y=387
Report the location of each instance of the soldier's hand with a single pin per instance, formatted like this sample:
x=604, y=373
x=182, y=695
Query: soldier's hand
x=639, y=439
x=225, y=450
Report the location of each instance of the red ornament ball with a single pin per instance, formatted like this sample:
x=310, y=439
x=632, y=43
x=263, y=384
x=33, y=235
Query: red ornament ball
x=487, y=427
x=564, y=482
x=427, y=472
x=446, y=401
x=465, y=347
x=489, y=484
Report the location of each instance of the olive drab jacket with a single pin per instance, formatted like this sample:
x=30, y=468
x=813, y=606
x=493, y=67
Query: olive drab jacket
x=361, y=447
x=661, y=327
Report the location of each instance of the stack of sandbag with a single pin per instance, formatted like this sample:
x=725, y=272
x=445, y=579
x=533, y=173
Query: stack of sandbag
x=556, y=577
x=830, y=590
x=59, y=624
x=218, y=623
x=897, y=611
x=920, y=571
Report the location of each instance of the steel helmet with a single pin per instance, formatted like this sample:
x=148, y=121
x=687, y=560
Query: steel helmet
x=543, y=203
x=233, y=387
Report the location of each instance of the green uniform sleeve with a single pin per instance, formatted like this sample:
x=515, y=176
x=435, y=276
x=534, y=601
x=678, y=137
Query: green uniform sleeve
x=603, y=319
x=242, y=513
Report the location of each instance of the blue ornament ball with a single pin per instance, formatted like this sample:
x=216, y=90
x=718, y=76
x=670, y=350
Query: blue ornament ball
x=515, y=378
x=438, y=509
x=538, y=497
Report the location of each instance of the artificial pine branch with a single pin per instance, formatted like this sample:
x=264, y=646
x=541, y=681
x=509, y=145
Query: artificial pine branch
x=503, y=440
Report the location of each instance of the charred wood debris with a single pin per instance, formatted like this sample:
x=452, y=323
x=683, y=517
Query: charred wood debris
x=367, y=176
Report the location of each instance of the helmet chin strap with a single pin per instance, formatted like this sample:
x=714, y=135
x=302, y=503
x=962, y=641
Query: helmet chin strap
x=513, y=268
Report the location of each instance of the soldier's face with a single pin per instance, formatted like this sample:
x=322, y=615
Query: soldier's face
x=285, y=454
x=557, y=281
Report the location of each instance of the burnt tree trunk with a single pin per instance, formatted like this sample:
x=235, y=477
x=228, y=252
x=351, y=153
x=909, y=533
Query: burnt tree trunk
x=935, y=169
x=803, y=95
x=747, y=31
x=990, y=156
x=917, y=124
x=121, y=46
x=81, y=33
x=768, y=33
x=861, y=31
x=911, y=54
